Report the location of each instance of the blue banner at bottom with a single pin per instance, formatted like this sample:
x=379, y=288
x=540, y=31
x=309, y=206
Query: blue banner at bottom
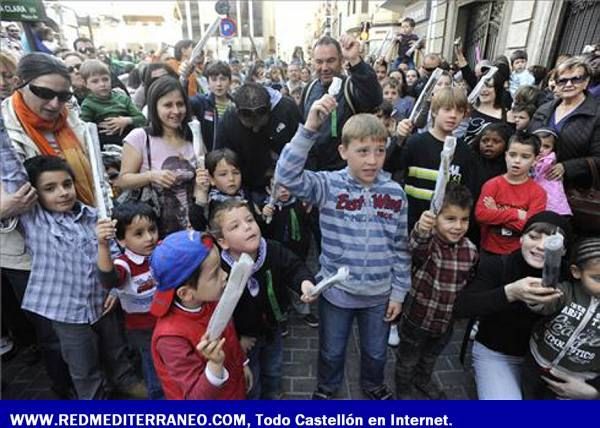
x=258, y=414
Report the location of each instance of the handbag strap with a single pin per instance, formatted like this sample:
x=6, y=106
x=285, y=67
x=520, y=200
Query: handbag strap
x=149, y=156
x=594, y=171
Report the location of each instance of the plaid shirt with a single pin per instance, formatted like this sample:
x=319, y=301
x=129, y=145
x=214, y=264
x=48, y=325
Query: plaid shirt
x=440, y=271
x=63, y=285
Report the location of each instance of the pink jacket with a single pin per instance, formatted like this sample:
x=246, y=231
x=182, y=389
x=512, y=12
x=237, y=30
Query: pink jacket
x=557, y=199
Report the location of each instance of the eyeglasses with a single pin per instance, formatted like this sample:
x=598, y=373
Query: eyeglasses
x=253, y=112
x=73, y=68
x=48, y=94
x=575, y=80
x=87, y=50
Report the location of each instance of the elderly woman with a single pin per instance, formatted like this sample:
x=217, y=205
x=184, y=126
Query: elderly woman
x=38, y=123
x=575, y=117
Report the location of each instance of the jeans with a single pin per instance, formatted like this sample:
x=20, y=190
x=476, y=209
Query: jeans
x=335, y=325
x=87, y=348
x=498, y=376
x=55, y=366
x=416, y=355
x=141, y=340
x=266, y=364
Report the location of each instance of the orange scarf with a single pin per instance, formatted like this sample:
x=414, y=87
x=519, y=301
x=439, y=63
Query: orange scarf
x=70, y=147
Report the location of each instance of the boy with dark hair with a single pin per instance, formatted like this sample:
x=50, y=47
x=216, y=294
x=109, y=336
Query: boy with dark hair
x=443, y=262
x=210, y=108
x=520, y=75
x=113, y=111
x=508, y=200
x=189, y=284
x=59, y=233
x=135, y=227
x=363, y=225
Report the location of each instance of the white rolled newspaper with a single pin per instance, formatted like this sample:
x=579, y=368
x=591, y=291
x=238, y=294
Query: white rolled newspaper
x=97, y=171
x=425, y=94
x=272, y=201
x=446, y=156
x=198, y=142
x=553, y=252
x=413, y=48
x=238, y=277
x=474, y=95
x=341, y=275
x=335, y=86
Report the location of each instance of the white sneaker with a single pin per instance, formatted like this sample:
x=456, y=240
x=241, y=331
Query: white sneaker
x=394, y=338
x=6, y=345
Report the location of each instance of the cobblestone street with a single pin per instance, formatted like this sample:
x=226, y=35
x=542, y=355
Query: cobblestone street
x=20, y=381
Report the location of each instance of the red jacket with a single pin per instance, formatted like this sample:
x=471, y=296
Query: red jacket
x=181, y=369
x=501, y=228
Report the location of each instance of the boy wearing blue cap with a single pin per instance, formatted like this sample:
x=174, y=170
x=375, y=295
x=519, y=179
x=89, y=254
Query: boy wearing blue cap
x=190, y=281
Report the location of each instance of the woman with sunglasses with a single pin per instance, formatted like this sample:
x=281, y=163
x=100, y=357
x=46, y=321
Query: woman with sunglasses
x=575, y=117
x=38, y=122
x=73, y=61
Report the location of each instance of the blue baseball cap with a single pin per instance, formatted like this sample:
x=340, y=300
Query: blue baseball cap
x=172, y=262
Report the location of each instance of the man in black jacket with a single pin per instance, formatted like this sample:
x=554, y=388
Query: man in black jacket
x=360, y=93
x=261, y=123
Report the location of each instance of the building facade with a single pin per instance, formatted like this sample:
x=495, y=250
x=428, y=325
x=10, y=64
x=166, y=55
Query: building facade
x=487, y=29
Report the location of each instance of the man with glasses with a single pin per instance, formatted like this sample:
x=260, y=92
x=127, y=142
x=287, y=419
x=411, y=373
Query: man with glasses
x=431, y=61
x=257, y=128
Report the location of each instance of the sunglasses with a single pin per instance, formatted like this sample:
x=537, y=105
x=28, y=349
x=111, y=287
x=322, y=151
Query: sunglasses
x=429, y=69
x=88, y=50
x=73, y=68
x=48, y=94
x=575, y=80
x=253, y=112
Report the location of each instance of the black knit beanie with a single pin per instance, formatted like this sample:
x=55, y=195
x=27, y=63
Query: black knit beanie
x=552, y=218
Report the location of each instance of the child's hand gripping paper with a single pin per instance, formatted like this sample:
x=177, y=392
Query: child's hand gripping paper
x=319, y=112
x=213, y=351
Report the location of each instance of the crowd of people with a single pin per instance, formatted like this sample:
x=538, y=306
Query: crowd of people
x=288, y=166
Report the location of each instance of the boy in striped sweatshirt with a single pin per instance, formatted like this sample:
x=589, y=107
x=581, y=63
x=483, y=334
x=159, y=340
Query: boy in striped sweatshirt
x=363, y=226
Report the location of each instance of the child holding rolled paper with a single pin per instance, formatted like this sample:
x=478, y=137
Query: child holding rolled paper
x=220, y=181
x=443, y=262
x=135, y=227
x=189, y=282
x=564, y=350
x=419, y=159
x=363, y=223
x=264, y=299
x=59, y=232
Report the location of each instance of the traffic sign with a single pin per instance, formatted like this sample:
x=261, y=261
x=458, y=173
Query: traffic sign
x=228, y=27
